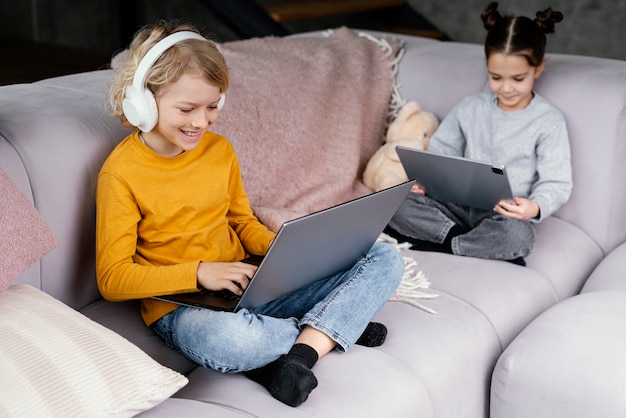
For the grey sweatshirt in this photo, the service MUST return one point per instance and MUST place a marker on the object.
(531, 143)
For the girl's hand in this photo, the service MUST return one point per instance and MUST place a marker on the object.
(418, 188)
(233, 276)
(520, 208)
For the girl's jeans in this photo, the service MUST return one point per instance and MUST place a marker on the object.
(341, 306)
(489, 235)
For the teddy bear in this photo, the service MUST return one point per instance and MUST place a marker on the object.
(411, 128)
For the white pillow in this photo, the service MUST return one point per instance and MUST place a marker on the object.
(54, 361)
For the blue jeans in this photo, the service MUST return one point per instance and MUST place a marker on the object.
(489, 235)
(341, 306)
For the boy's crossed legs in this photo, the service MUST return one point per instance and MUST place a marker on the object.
(335, 313)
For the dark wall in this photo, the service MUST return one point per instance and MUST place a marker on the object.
(591, 27)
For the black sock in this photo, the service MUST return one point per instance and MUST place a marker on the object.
(455, 231)
(373, 336)
(519, 261)
(422, 245)
(289, 378)
(403, 238)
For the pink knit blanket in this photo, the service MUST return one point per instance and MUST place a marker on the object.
(305, 115)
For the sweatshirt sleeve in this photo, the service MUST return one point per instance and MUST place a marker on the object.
(554, 172)
(121, 273)
(449, 139)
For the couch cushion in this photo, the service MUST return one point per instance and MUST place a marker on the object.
(24, 236)
(452, 353)
(124, 319)
(189, 408)
(364, 382)
(553, 256)
(56, 362)
(610, 273)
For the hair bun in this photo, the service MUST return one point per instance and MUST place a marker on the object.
(547, 18)
(490, 16)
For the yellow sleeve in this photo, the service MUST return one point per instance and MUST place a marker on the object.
(121, 273)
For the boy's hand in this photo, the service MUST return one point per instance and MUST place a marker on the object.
(520, 208)
(233, 276)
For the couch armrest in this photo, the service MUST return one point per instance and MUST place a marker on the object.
(568, 363)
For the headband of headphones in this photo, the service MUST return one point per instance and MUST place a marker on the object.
(157, 50)
(139, 104)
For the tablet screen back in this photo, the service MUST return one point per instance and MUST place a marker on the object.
(455, 179)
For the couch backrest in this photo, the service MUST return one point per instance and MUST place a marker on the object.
(54, 136)
(590, 92)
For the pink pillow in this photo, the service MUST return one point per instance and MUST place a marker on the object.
(24, 236)
(305, 115)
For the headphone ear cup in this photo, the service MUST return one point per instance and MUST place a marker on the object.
(220, 104)
(139, 107)
(152, 112)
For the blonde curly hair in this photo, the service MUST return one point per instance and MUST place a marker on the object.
(191, 55)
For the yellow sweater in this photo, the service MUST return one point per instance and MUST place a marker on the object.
(159, 217)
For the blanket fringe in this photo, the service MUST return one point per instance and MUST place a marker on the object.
(413, 283)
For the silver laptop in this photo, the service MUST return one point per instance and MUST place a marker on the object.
(455, 179)
(308, 249)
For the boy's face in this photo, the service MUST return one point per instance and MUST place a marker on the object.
(511, 78)
(187, 107)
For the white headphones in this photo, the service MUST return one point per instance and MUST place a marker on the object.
(139, 104)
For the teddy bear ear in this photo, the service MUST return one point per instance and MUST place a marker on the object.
(412, 107)
(409, 109)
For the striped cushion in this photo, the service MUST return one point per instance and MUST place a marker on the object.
(56, 362)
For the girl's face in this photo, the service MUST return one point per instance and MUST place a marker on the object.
(187, 107)
(511, 78)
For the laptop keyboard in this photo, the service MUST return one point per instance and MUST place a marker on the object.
(224, 294)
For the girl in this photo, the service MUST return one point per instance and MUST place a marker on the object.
(173, 216)
(511, 125)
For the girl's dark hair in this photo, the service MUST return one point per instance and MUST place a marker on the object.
(518, 35)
